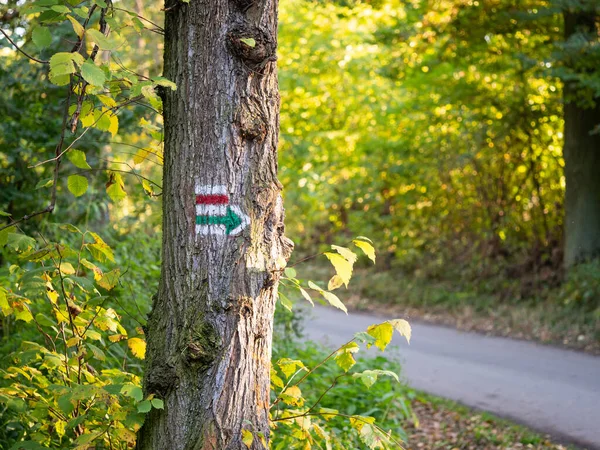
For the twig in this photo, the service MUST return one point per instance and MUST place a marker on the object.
(113, 110)
(21, 50)
(159, 28)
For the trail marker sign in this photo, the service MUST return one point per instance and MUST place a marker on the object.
(214, 214)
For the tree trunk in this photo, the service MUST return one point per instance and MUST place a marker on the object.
(209, 333)
(582, 164)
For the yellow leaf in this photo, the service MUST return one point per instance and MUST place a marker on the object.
(115, 187)
(367, 249)
(117, 337)
(22, 313)
(345, 358)
(334, 283)
(348, 254)
(247, 438)
(114, 124)
(97, 271)
(382, 333)
(141, 155)
(306, 296)
(6, 309)
(106, 100)
(293, 391)
(72, 342)
(334, 300)
(292, 396)
(110, 279)
(147, 187)
(87, 120)
(342, 266)
(60, 427)
(402, 327)
(77, 27)
(67, 268)
(137, 347)
(53, 296)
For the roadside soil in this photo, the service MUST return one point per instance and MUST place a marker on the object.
(445, 425)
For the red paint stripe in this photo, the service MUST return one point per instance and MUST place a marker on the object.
(212, 199)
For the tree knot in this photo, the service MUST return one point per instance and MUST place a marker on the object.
(254, 46)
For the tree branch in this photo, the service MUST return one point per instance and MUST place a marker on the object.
(21, 50)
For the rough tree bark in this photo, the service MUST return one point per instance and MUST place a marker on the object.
(582, 161)
(209, 332)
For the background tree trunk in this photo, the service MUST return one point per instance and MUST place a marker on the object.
(582, 163)
(209, 333)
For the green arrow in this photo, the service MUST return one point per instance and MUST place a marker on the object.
(231, 220)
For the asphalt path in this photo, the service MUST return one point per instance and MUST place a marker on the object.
(551, 390)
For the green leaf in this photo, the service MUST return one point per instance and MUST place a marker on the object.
(382, 333)
(77, 157)
(369, 377)
(4, 235)
(367, 248)
(19, 242)
(402, 327)
(99, 39)
(144, 407)
(62, 63)
(365, 338)
(98, 354)
(41, 37)
(77, 184)
(133, 391)
(249, 42)
(342, 266)
(290, 272)
(93, 74)
(44, 320)
(157, 403)
(4, 214)
(44, 183)
(60, 9)
(65, 404)
(285, 302)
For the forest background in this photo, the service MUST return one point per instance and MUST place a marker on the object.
(434, 127)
